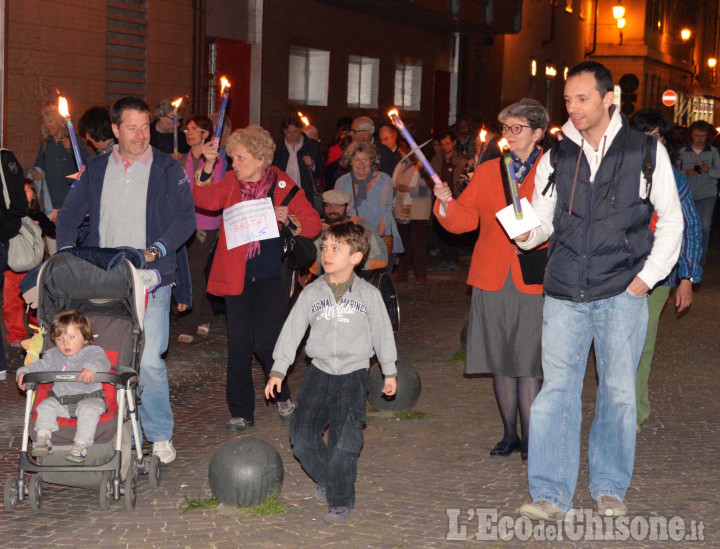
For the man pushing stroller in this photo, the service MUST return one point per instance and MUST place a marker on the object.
(72, 334)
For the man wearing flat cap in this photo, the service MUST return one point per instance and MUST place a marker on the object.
(336, 205)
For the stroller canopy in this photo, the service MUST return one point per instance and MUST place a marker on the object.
(67, 282)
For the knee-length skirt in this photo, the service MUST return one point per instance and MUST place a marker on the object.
(504, 333)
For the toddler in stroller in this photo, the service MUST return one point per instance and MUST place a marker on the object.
(72, 334)
(112, 296)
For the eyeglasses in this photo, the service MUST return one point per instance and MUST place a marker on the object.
(514, 129)
(361, 160)
(192, 129)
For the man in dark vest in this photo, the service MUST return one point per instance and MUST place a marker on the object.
(603, 259)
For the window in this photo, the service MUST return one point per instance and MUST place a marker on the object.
(363, 82)
(308, 76)
(408, 79)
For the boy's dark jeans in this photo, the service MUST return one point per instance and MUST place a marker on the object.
(338, 400)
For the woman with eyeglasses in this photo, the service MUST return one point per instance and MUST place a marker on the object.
(199, 135)
(371, 191)
(506, 313)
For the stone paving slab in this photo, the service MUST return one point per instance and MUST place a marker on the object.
(422, 482)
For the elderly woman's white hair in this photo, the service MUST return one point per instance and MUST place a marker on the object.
(529, 109)
(352, 150)
(257, 140)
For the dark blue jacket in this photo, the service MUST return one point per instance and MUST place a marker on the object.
(170, 210)
(601, 232)
(310, 148)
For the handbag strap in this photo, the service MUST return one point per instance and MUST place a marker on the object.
(5, 189)
(506, 182)
(289, 196)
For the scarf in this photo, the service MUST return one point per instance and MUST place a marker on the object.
(255, 191)
(522, 168)
(362, 184)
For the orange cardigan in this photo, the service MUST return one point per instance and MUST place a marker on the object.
(494, 252)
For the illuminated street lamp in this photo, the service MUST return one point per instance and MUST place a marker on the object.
(712, 63)
(618, 11)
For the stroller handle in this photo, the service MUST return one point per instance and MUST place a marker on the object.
(121, 380)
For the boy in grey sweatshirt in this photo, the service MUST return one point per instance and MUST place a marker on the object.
(348, 320)
(71, 332)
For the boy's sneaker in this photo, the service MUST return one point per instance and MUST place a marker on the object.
(337, 515)
(77, 453)
(320, 494)
(286, 409)
(42, 447)
(610, 506)
(238, 424)
(542, 510)
(165, 451)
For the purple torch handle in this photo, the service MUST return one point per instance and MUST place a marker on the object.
(73, 140)
(175, 139)
(395, 118)
(221, 117)
(510, 169)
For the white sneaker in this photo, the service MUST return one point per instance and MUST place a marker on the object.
(286, 409)
(165, 451)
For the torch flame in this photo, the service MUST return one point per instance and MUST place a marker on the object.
(224, 83)
(393, 112)
(177, 102)
(503, 144)
(305, 119)
(483, 133)
(63, 107)
(554, 130)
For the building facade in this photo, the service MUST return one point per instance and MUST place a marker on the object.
(433, 59)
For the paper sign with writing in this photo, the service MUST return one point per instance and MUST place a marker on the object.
(513, 226)
(250, 221)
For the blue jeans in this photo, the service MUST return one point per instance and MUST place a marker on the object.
(705, 208)
(154, 410)
(617, 325)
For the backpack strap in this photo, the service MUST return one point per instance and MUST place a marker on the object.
(648, 165)
(555, 151)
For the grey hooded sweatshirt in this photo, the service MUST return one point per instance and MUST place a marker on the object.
(343, 335)
(91, 357)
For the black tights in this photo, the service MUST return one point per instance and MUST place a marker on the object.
(516, 394)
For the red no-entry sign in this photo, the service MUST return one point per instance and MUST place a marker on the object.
(669, 97)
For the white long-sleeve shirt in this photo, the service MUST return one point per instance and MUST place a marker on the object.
(663, 196)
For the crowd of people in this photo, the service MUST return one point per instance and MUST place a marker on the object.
(625, 215)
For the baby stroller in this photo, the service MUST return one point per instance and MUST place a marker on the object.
(114, 301)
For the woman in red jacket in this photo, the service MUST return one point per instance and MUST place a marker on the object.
(250, 276)
(506, 314)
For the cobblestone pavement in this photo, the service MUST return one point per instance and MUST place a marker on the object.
(421, 482)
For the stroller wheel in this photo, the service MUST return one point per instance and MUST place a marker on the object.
(106, 491)
(131, 486)
(36, 493)
(155, 471)
(10, 494)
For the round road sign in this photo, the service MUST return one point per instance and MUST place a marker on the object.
(669, 97)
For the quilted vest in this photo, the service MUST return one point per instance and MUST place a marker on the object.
(600, 243)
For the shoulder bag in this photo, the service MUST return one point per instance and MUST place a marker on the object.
(299, 252)
(26, 249)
